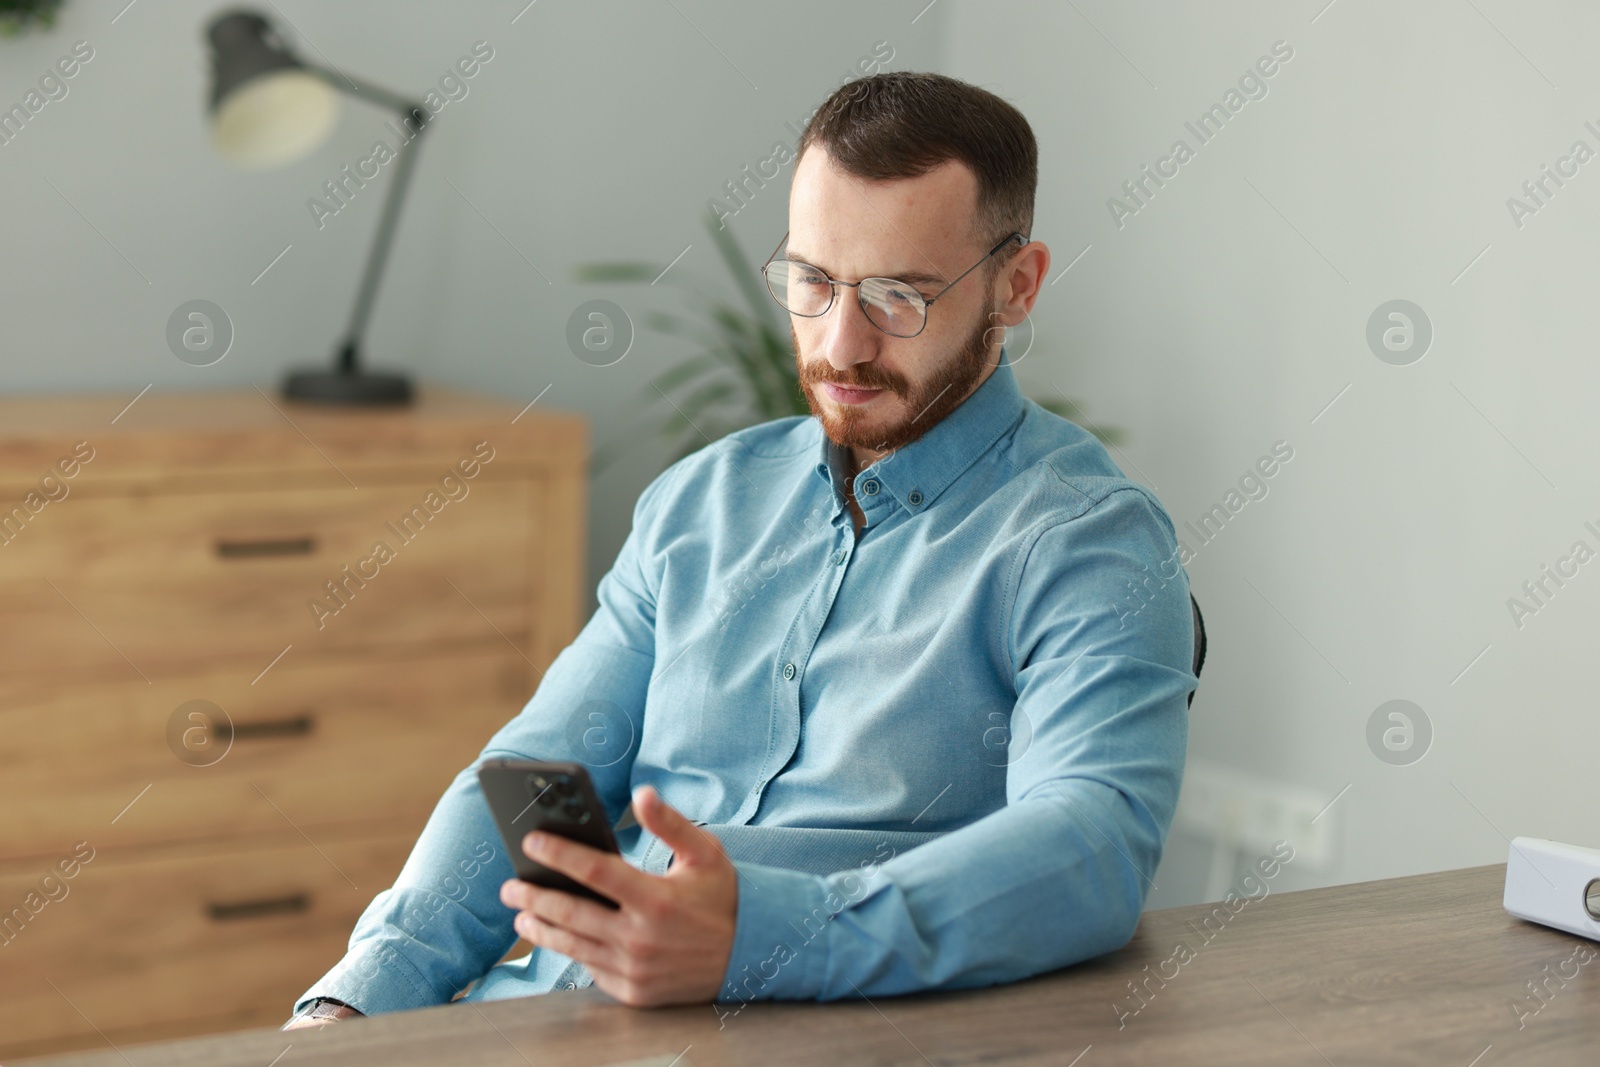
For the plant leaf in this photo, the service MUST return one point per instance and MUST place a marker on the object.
(673, 377)
(615, 272)
(666, 322)
(703, 397)
(739, 335)
(745, 275)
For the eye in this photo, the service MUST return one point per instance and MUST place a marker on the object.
(892, 296)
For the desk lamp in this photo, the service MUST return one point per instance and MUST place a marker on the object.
(269, 108)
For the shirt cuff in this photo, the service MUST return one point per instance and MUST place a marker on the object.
(779, 951)
(373, 979)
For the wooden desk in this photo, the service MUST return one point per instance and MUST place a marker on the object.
(1409, 970)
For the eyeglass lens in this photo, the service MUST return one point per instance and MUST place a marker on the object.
(895, 307)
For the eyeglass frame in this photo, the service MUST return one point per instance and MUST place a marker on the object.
(834, 283)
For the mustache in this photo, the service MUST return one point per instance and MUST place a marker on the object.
(867, 376)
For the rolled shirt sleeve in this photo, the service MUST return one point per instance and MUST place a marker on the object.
(441, 926)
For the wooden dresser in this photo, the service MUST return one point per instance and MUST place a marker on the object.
(244, 646)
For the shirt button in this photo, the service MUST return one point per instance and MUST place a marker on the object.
(870, 487)
(838, 557)
(788, 671)
(915, 497)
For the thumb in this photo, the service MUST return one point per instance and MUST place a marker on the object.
(689, 843)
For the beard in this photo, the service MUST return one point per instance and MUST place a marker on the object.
(926, 403)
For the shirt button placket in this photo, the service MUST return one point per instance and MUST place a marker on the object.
(786, 706)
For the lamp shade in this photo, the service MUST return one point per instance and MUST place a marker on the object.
(267, 109)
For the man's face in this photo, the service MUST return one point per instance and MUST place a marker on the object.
(919, 230)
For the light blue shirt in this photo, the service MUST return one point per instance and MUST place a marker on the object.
(942, 752)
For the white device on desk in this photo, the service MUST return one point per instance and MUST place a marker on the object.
(1554, 885)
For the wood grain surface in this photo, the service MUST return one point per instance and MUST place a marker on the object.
(1412, 970)
(256, 439)
(373, 740)
(171, 563)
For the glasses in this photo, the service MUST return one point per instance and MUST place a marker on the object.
(896, 307)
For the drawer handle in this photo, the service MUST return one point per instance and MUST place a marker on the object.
(289, 726)
(267, 546)
(293, 904)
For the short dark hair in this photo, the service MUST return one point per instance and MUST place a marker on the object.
(905, 123)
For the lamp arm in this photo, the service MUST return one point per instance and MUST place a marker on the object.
(377, 258)
(365, 90)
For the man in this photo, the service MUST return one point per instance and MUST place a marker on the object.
(897, 690)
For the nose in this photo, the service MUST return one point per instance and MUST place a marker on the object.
(847, 336)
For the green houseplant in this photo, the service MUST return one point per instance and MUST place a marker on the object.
(19, 15)
(744, 372)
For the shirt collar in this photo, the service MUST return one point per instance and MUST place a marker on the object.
(916, 475)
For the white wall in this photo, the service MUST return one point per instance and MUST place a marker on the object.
(598, 131)
(1213, 323)
(1208, 327)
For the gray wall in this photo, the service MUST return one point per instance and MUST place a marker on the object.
(1229, 311)
(1223, 316)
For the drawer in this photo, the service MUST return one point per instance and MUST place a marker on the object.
(123, 584)
(228, 933)
(367, 739)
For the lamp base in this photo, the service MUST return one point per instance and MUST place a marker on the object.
(358, 388)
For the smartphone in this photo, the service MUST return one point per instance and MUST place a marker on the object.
(553, 798)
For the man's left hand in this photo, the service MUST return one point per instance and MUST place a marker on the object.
(669, 941)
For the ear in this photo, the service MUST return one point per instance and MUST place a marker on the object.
(1019, 282)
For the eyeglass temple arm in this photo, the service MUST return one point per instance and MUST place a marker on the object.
(1004, 241)
(769, 259)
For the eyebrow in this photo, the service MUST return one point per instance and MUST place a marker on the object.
(915, 277)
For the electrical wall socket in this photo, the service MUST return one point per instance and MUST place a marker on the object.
(1237, 810)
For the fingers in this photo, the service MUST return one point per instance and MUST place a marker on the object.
(566, 910)
(688, 842)
(605, 873)
(587, 951)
